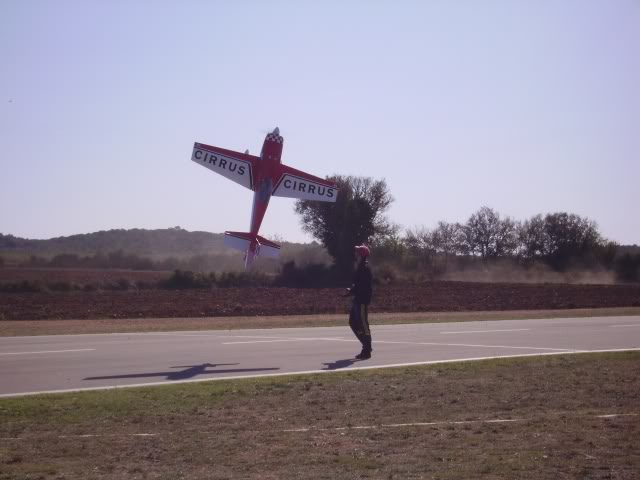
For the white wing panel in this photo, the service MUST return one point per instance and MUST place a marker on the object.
(233, 168)
(269, 251)
(293, 186)
(236, 243)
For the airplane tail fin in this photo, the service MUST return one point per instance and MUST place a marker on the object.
(268, 248)
(252, 245)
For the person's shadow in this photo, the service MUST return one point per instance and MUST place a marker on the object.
(338, 364)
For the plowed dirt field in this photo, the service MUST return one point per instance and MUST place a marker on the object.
(424, 297)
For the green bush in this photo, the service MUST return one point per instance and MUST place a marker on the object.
(63, 286)
(181, 279)
(25, 286)
(627, 268)
(310, 276)
(123, 284)
(385, 275)
(243, 279)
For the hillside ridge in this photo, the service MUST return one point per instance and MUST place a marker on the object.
(161, 242)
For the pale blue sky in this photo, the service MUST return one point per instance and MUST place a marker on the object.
(528, 107)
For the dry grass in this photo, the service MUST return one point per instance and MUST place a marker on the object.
(239, 429)
(59, 327)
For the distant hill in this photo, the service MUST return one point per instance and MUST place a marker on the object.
(166, 242)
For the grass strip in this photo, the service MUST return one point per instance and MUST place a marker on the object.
(304, 426)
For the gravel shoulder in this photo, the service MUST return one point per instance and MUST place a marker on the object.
(123, 325)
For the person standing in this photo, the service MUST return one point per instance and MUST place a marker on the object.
(361, 290)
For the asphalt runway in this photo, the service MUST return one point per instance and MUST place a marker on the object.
(58, 363)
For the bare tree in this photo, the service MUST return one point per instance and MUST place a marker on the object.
(506, 241)
(419, 243)
(448, 239)
(487, 235)
(532, 239)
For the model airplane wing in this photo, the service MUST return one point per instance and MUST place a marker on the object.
(294, 183)
(235, 166)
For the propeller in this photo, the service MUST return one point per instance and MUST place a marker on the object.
(275, 131)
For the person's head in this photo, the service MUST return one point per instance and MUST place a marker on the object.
(362, 252)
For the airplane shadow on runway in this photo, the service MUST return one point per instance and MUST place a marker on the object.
(347, 362)
(190, 371)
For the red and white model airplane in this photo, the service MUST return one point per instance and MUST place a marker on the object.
(267, 177)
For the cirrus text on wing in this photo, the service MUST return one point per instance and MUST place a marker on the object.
(308, 188)
(216, 161)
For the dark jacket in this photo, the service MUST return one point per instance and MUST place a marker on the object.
(362, 283)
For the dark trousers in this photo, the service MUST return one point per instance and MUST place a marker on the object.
(359, 323)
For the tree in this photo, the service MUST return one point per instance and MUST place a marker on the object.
(448, 239)
(356, 217)
(507, 237)
(419, 243)
(627, 267)
(569, 237)
(488, 235)
(532, 238)
(390, 248)
(561, 239)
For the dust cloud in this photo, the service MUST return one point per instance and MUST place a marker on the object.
(534, 274)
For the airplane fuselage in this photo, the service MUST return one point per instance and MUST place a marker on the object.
(265, 176)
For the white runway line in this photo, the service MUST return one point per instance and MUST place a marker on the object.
(488, 331)
(613, 415)
(270, 341)
(310, 429)
(400, 425)
(202, 335)
(95, 435)
(473, 345)
(49, 351)
(430, 424)
(624, 326)
(400, 342)
(294, 339)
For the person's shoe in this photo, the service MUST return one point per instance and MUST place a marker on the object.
(364, 355)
